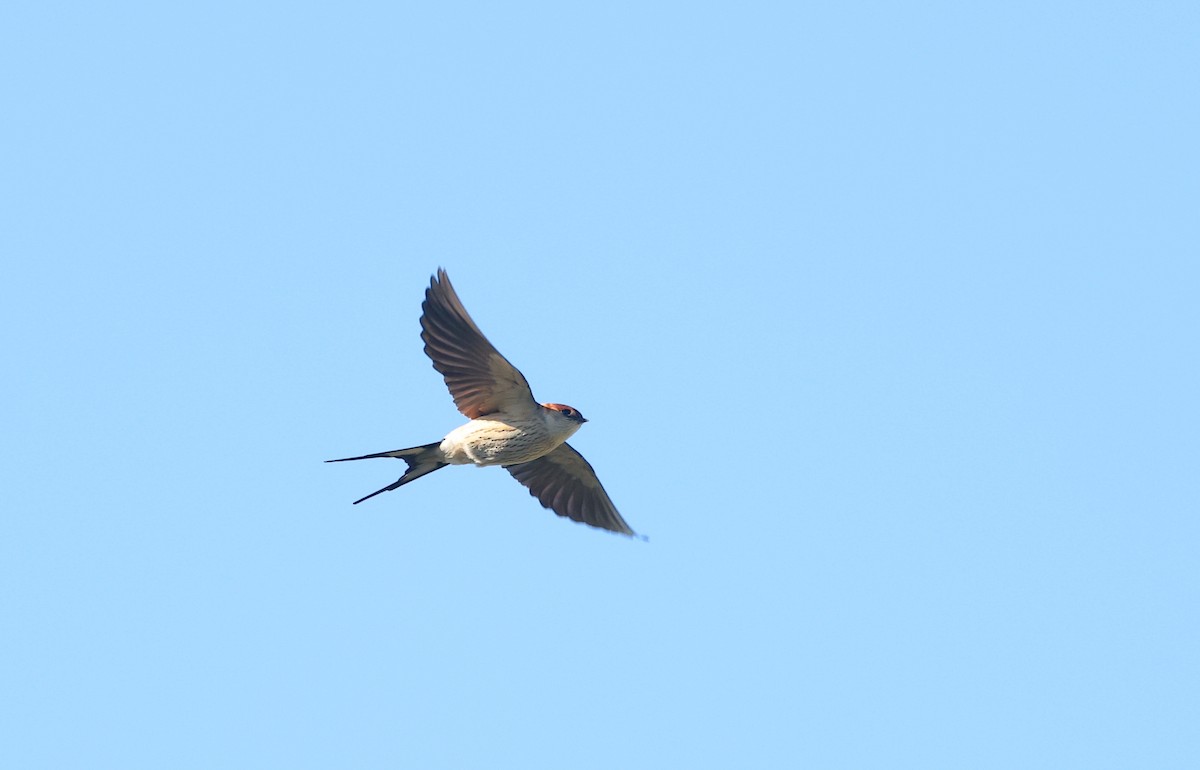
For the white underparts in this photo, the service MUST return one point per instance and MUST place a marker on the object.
(502, 440)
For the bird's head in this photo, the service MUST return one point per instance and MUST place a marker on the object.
(569, 412)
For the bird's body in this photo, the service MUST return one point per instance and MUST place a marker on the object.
(507, 439)
(506, 426)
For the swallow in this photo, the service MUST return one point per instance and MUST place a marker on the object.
(506, 426)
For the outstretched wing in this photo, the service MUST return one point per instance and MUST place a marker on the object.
(565, 483)
(480, 379)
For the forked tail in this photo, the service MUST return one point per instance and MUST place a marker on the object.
(421, 460)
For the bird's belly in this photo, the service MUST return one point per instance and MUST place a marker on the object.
(490, 442)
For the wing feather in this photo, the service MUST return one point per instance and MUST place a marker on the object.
(565, 483)
(480, 379)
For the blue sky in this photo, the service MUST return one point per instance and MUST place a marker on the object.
(884, 317)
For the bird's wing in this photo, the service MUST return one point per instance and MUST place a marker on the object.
(480, 379)
(565, 483)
